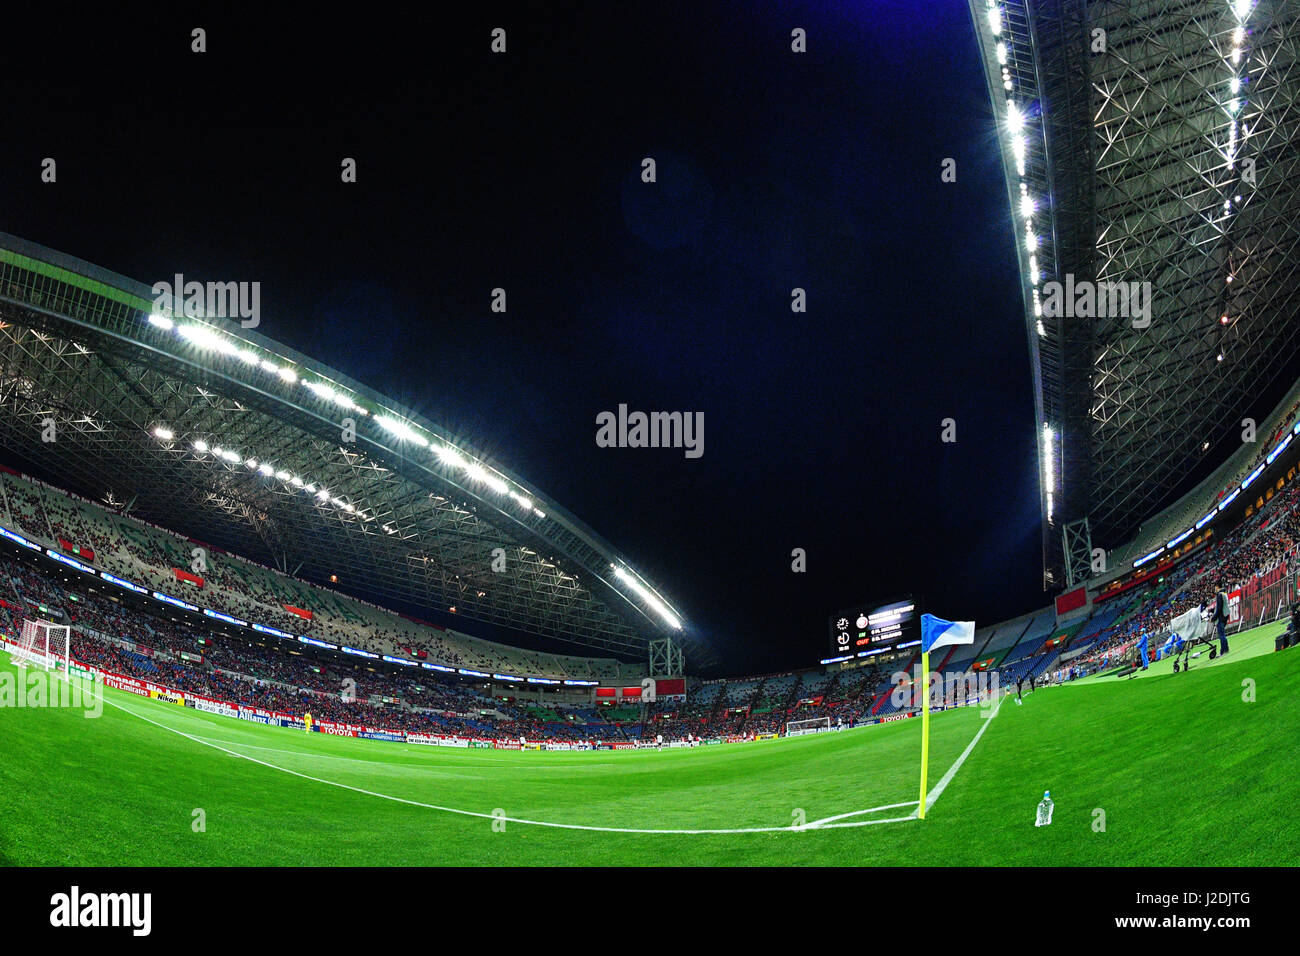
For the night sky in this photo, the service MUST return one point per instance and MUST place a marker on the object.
(775, 170)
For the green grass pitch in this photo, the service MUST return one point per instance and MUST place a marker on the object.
(1185, 769)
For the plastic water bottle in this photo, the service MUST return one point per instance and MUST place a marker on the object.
(1045, 810)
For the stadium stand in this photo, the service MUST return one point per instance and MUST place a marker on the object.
(142, 553)
(145, 643)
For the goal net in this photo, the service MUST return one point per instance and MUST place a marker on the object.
(43, 644)
(816, 724)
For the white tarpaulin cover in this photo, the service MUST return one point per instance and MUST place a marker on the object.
(1190, 626)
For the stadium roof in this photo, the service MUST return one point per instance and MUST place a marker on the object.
(211, 429)
(1148, 142)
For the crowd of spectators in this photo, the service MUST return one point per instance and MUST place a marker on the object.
(149, 555)
(1254, 547)
(286, 678)
(251, 672)
(133, 643)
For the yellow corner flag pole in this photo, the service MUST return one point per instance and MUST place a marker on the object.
(925, 728)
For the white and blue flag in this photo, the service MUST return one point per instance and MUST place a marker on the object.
(936, 632)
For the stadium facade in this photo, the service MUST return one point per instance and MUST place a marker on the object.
(196, 423)
(1152, 159)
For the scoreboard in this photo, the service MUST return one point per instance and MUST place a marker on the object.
(870, 630)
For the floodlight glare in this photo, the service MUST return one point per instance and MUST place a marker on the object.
(450, 457)
(205, 338)
(651, 601)
(1015, 119)
(401, 430)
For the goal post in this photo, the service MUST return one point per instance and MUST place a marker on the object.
(44, 644)
(795, 728)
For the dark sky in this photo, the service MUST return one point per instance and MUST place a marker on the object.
(775, 170)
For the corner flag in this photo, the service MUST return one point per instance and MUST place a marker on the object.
(935, 632)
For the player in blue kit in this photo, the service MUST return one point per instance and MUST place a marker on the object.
(1142, 649)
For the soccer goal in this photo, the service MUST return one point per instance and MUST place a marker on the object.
(43, 644)
(794, 728)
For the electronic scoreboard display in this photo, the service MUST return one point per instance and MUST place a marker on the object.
(870, 630)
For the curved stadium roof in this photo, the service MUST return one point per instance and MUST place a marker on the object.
(215, 431)
(1170, 156)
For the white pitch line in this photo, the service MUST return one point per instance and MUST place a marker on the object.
(934, 794)
(939, 787)
(277, 750)
(306, 753)
(468, 770)
(487, 816)
(379, 761)
(858, 813)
